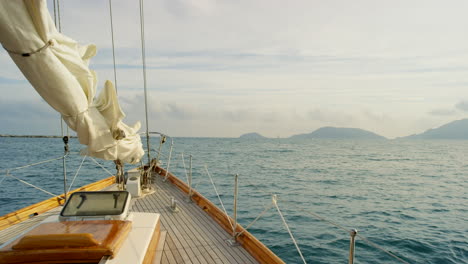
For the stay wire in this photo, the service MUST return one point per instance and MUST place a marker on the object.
(113, 45)
(143, 58)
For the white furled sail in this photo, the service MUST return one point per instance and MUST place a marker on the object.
(57, 67)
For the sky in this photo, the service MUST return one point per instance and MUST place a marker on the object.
(219, 68)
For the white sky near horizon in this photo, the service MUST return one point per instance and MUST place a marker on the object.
(279, 68)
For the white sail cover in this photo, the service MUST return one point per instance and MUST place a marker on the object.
(57, 67)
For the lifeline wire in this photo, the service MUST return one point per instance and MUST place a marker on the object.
(378, 247)
(347, 231)
(34, 186)
(185, 169)
(37, 163)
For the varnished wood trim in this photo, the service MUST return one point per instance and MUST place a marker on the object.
(152, 247)
(256, 248)
(44, 206)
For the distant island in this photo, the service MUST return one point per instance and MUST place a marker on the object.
(327, 132)
(454, 130)
(252, 136)
(457, 130)
(340, 133)
(33, 136)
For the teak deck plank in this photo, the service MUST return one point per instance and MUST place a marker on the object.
(191, 233)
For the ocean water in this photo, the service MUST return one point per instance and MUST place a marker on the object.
(408, 197)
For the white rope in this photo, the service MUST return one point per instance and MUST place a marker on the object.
(287, 228)
(219, 198)
(76, 174)
(29, 184)
(106, 170)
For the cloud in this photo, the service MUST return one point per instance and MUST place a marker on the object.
(9, 81)
(183, 8)
(28, 117)
(331, 117)
(462, 105)
(442, 112)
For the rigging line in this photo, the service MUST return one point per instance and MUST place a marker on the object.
(258, 188)
(219, 197)
(255, 220)
(324, 220)
(275, 202)
(58, 17)
(7, 172)
(113, 46)
(106, 170)
(143, 58)
(64, 162)
(29, 184)
(55, 13)
(37, 163)
(378, 247)
(347, 231)
(76, 174)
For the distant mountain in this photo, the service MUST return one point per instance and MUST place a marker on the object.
(338, 132)
(453, 130)
(251, 136)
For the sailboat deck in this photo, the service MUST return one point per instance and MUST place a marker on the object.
(189, 235)
(192, 236)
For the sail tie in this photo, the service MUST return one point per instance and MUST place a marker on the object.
(27, 54)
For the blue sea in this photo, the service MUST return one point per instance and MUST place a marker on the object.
(408, 197)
